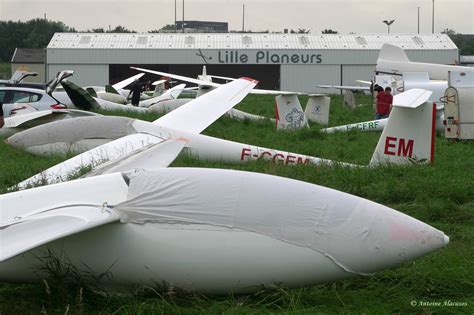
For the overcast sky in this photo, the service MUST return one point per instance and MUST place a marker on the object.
(360, 16)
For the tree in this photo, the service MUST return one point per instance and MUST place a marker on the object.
(465, 43)
(329, 31)
(449, 31)
(120, 29)
(117, 29)
(35, 33)
(168, 27)
(97, 30)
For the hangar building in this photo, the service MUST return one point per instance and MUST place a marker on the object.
(296, 62)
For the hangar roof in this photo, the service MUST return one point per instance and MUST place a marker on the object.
(248, 41)
(29, 55)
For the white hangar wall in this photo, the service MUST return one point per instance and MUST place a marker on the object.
(304, 60)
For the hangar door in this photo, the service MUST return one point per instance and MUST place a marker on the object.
(84, 75)
(267, 75)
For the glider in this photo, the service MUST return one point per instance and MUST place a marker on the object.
(409, 138)
(211, 84)
(393, 60)
(206, 230)
(22, 122)
(27, 107)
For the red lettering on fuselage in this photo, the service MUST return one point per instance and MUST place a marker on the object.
(399, 147)
(389, 143)
(302, 160)
(280, 157)
(245, 152)
(275, 157)
(405, 150)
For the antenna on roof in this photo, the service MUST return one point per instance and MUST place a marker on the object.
(243, 18)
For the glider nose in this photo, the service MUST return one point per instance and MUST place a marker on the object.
(381, 237)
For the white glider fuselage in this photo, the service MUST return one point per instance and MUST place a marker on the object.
(178, 254)
(435, 71)
(207, 230)
(215, 149)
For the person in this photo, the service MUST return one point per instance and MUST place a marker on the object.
(383, 103)
(135, 91)
(2, 121)
(376, 90)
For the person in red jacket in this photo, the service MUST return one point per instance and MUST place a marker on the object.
(384, 103)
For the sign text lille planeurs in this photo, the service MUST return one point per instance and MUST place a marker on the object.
(267, 57)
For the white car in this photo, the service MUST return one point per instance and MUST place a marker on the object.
(18, 100)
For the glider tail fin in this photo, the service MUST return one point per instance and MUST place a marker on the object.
(409, 134)
(393, 53)
(79, 97)
(317, 109)
(110, 89)
(289, 113)
(159, 89)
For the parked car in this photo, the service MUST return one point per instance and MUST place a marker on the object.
(19, 100)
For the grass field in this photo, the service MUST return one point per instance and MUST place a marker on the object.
(441, 195)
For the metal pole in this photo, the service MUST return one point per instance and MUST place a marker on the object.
(243, 18)
(432, 22)
(175, 29)
(183, 17)
(418, 20)
(388, 28)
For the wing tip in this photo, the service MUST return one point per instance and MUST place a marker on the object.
(249, 79)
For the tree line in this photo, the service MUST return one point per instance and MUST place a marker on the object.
(37, 33)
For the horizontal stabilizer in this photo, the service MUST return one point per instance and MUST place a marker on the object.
(411, 98)
(31, 218)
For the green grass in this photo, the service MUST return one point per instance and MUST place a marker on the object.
(5, 70)
(441, 195)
